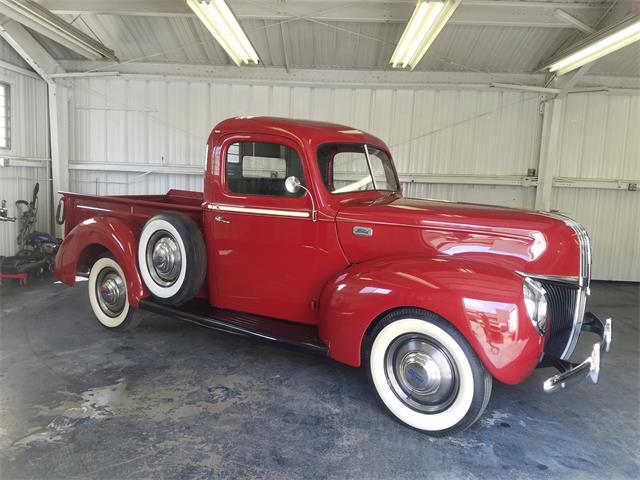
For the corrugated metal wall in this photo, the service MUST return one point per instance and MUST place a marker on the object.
(601, 140)
(147, 135)
(165, 123)
(29, 146)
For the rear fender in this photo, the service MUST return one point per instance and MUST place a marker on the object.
(110, 233)
(483, 301)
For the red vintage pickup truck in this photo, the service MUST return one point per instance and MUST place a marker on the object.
(302, 236)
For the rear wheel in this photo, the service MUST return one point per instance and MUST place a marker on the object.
(108, 296)
(425, 372)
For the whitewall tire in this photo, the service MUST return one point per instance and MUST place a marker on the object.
(425, 372)
(108, 295)
(172, 258)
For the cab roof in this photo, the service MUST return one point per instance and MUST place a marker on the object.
(304, 131)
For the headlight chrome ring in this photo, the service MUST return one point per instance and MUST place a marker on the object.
(535, 300)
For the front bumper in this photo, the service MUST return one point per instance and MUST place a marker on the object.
(590, 367)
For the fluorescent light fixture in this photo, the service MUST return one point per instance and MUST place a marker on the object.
(596, 46)
(37, 18)
(223, 25)
(428, 18)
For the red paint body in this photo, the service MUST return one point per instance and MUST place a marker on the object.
(461, 261)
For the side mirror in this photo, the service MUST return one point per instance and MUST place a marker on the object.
(292, 184)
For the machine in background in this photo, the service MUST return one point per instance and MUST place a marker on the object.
(36, 250)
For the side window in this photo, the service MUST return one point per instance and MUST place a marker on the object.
(260, 168)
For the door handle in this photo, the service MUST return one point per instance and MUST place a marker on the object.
(221, 219)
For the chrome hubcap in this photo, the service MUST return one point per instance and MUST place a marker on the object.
(164, 258)
(421, 373)
(111, 292)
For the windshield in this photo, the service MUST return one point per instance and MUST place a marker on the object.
(355, 168)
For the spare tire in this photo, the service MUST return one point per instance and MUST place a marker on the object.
(172, 258)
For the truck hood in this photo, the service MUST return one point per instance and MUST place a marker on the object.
(528, 241)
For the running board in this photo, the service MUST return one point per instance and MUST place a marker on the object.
(199, 312)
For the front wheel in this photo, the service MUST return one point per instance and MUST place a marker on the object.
(108, 296)
(425, 372)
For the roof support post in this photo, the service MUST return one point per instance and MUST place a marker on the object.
(552, 127)
(58, 131)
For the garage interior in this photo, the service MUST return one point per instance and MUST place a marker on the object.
(479, 118)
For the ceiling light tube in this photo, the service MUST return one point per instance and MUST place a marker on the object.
(223, 25)
(428, 18)
(597, 46)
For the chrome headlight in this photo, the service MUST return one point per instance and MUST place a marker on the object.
(535, 300)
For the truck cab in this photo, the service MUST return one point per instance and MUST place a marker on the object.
(302, 236)
(273, 246)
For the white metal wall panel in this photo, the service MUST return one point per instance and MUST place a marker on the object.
(515, 197)
(601, 137)
(612, 219)
(29, 143)
(600, 140)
(166, 123)
(127, 183)
(464, 132)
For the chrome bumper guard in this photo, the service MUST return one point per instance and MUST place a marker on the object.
(589, 368)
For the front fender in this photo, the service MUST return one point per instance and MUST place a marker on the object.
(117, 236)
(483, 301)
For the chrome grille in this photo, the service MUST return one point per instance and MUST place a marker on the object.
(562, 300)
(567, 302)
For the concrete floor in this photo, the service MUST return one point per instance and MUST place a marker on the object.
(174, 400)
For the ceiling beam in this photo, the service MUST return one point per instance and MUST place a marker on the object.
(571, 20)
(29, 49)
(470, 12)
(336, 78)
(41, 20)
(160, 8)
(285, 53)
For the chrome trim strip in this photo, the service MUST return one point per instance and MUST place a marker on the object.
(585, 245)
(563, 279)
(578, 316)
(258, 211)
(373, 178)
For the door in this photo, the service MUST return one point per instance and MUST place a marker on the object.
(264, 239)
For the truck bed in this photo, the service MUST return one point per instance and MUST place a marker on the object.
(79, 207)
